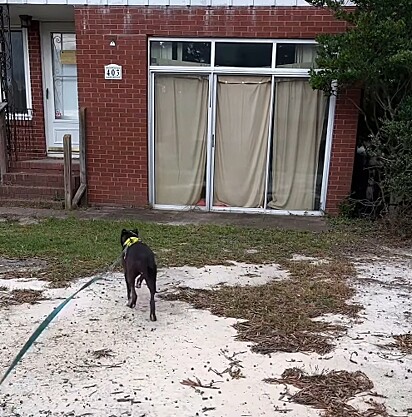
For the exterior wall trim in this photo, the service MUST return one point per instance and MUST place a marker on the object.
(204, 3)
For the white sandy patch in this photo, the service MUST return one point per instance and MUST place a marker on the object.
(399, 252)
(59, 376)
(384, 289)
(310, 259)
(23, 284)
(237, 274)
(8, 267)
(251, 251)
(27, 221)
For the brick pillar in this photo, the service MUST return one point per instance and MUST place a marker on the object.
(343, 148)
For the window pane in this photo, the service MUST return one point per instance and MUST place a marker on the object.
(298, 146)
(64, 75)
(17, 83)
(242, 128)
(181, 104)
(180, 53)
(244, 54)
(292, 55)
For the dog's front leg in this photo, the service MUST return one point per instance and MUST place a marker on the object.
(128, 288)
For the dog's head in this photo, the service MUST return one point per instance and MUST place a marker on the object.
(126, 234)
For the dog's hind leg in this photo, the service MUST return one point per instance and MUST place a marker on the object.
(139, 281)
(130, 279)
(151, 284)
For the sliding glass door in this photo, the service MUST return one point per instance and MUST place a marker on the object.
(257, 143)
(235, 126)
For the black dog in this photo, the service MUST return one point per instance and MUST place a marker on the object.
(138, 262)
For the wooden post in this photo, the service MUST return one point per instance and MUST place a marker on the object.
(82, 150)
(82, 160)
(3, 142)
(68, 189)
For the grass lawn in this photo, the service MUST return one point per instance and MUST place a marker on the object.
(279, 314)
(75, 248)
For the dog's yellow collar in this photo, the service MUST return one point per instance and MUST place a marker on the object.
(131, 241)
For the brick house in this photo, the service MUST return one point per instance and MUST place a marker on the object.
(190, 103)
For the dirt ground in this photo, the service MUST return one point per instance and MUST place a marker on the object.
(99, 358)
(309, 223)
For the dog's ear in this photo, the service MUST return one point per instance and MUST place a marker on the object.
(123, 236)
(136, 231)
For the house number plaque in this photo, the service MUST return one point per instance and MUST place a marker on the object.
(113, 72)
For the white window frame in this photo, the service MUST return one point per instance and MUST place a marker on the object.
(26, 61)
(235, 70)
(212, 70)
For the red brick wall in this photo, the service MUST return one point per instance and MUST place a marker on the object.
(117, 111)
(343, 148)
(32, 141)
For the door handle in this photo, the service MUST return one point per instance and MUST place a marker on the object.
(47, 93)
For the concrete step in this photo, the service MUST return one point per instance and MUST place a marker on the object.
(38, 179)
(37, 183)
(32, 203)
(47, 165)
(32, 193)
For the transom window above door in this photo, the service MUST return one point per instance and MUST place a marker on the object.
(279, 55)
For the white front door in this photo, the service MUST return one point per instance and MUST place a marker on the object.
(60, 86)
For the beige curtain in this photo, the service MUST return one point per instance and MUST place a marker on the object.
(241, 140)
(305, 56)
(298, 123)
(180, 138)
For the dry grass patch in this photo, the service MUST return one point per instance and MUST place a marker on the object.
(15, 297)
(402, 342)
(279, 314)
(330, 391)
